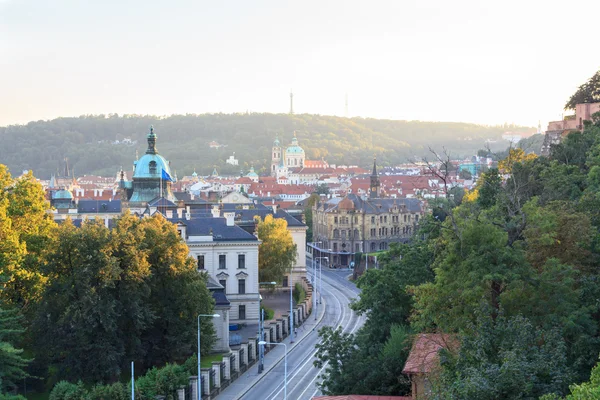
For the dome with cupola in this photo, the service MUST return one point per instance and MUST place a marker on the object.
(151, 164)
(62, 194)
(294, 148)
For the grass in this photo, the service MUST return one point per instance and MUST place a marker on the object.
(206, 361)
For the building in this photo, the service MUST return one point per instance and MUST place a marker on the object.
(152, 178)
(229, 255)
(559, 129)
(361, 224)
(423, 360)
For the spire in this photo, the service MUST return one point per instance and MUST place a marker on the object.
(151, 142)
(374, 166)
(375, 183)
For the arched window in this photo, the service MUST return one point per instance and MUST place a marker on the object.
(336, 233)
(152, 166)
(373, 246)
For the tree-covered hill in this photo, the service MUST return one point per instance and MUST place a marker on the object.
(87, 141)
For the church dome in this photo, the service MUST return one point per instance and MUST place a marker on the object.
(294, 148)
(62, 194)
(252, 174)
(151, 166)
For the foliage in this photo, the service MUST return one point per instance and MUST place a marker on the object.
(354, 365)
(277, 251)
(589, 92)
(68, 391)
(113, 296)
(299, 294)
(517, 155)
(308, 215)
(87, 141)
(505, 358)
(12, 362)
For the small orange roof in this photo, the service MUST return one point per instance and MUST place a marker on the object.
(424, 355)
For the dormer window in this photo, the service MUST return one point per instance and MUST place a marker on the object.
(152, 166)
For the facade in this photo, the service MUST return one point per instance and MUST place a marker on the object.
(355, 224)
(229, 255)
(558, 129)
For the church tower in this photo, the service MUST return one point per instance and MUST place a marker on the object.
(375, 191)
(275, 156)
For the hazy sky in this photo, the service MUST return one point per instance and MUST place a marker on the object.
(481, 61)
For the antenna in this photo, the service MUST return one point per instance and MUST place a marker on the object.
(291, 102)
(346, 107)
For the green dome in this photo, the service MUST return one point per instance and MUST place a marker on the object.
(294, 150)
(62, 194)
(151, 166)
(276, 143)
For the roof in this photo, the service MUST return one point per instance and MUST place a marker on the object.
(161, 202)
(373, 206)
(142, 166)
(62, 194)
(217, 227)
(248, 216)
(424, 354)
(362, 397)
(99, 206)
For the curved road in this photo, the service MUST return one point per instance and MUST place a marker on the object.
(302, 375)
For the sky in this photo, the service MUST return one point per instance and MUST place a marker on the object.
(488, 62)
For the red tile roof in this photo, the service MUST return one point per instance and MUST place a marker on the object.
(423, 356)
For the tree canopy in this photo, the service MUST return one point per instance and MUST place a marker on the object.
(589, 92)
(277, 251)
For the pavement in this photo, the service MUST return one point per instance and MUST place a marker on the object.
(238, 388)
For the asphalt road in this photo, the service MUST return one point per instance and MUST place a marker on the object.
(302, 374)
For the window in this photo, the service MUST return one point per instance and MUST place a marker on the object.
(336, 233)
(241, 261)
(285, 282)
(372, 220)
(241, 286)
(335, 220)
(242, 312)
(372, 232)
(373, 246)
(223, 283)
(404, 217)
(343, 234)
(417, 218)
(356, 235)
(152, 167)
(222, 261)
(200, 262)
(335, 247)
(356, 248)
(385, 218)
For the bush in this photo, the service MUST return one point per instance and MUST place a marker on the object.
(11, 397)
(299, 293)
(116, 391)
(68, 391)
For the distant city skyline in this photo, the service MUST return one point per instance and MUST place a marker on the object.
(468, 61)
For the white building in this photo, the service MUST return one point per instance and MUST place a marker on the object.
(229, 255)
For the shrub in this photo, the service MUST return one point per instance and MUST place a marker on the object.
(68, 391)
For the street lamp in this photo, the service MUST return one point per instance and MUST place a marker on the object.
(314, 280)
(321, 277)
(262, 343)
(291, 309)
(261, 322)
(199, 385)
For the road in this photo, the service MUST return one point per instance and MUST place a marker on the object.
(302, 375)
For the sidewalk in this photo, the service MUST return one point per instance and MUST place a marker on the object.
(249, 379)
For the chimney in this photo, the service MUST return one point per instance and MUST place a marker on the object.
(216, 213)
(274, 208)
(229, 216)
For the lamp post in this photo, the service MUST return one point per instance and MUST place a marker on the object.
(321, 277)
(261, 322)
(262, 343)
(314, 280)
(199, 384)
(291, 309)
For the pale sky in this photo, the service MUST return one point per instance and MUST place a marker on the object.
(483, 61)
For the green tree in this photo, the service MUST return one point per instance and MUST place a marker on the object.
(12, 362)
(589, 92)
(277, 251)
(506, 358)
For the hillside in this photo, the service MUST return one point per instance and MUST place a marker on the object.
(87, 141)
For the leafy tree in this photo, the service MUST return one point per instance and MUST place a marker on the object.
(308, 215)
(322, 189)
(277, 251)
(506, 358)
(12, 362)
(465, 174)
(589, 92)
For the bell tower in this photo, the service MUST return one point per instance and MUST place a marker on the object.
(275, 156)
(375, 191)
